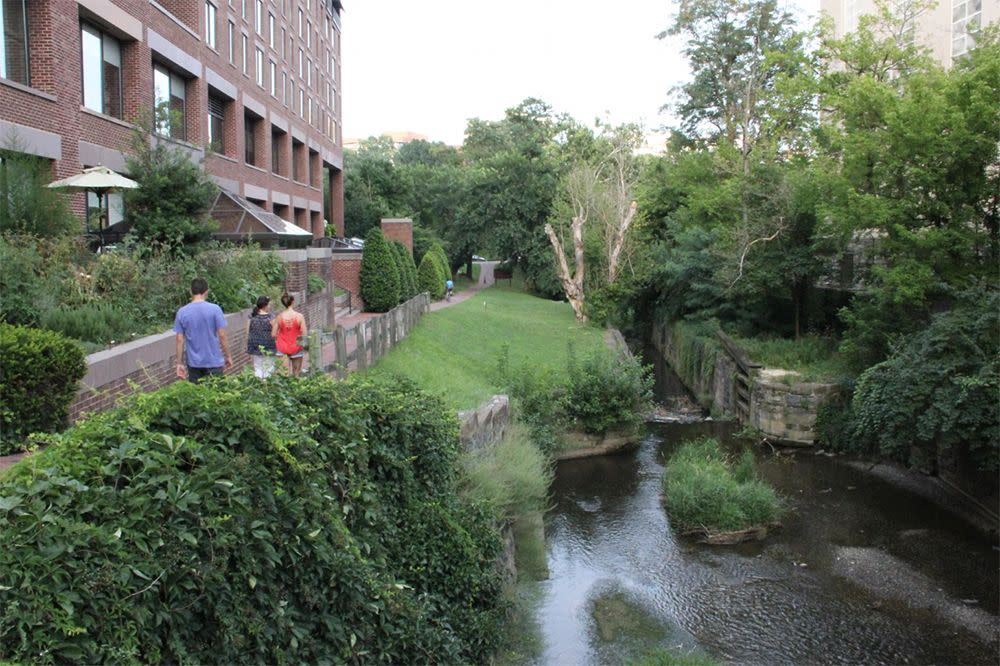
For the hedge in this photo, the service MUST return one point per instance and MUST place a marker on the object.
(380, 281)
(407, 271)
(39, 371)
(439, 255)
(429, 277)
(297, 521)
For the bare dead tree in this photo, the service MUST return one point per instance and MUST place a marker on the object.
(581, 184)
(617, 211)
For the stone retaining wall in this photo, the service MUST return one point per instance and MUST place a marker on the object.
(484, 425)
(782, 409)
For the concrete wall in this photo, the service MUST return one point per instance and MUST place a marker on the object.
(787, 411)
(486, 424)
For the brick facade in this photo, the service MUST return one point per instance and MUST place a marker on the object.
(346, 269)
(46, 116)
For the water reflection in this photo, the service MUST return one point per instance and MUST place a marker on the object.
(787, 600)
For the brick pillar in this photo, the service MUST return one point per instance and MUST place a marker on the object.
(337, 201)
(399, 230)
(346, 267)
(319, 264)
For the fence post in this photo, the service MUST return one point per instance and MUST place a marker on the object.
(361, 349)
(376, 339)
(340, 345)
(393, 323)
(315, 352)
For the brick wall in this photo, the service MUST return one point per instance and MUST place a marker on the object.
(346, 267)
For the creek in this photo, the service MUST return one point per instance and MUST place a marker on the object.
(862, 571)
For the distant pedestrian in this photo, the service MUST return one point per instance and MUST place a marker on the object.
(201, 328)
(289, 331)
(260, 341)
(449, 288)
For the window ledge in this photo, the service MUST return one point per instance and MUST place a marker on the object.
(225, 157)
(28, 89)
(103, 116)
(278, 175)
(255, 167)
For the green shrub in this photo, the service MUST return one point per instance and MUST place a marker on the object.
(668, 658)
(429, 277)
(39, 371)
(407, 272)
(705, 490)
(607, 392)
(315, 284)
(90, 322)
(301, 521)
(512, 477)
(170, 207)
(441, 258)
(380, 281)
(25, 290)
(938, 390)
(27, 204)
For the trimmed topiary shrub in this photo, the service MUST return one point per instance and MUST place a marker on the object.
(407, 272)
(298, 521)
(429, 277)
(379, 273)
(442, 260)
(39, 371)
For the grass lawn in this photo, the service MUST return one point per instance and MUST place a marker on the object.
(814, 357)
(453, 352)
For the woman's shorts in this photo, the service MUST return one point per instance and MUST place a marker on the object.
(298, 354)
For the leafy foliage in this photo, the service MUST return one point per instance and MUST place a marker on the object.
(429, 276)
(938, 389)
(407, 272)
(170, 206)
(27, 204)
(39, 371)
(703, 489)
(511, 476)
(380, 280)
(304, 520)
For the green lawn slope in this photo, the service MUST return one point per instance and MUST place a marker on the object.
(453, 352)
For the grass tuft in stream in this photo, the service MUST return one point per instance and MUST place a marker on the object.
(705, 490)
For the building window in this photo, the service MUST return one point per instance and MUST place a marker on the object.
(14, 41)
(210, 24)
(101, 63)
(243, 3)
(260, 67)
(170, 98)
(313, 159)
(297, 149)
(284, 88)
(246, 55)
(300, 23)
(276, 138)
(270, 30)
(967, 16)
(309, 107)
(274, 79)
(250, 141)
(258, 17)
(309, 35)
(309, 74)
(284, 53)
(302, 104)
(232, 43)
(216, 124)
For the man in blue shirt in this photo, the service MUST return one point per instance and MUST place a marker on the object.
(202, 326)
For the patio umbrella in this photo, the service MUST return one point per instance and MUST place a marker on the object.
(101, 180)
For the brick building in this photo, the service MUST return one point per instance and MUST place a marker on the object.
(254, 87)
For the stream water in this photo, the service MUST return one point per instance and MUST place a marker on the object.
(862, 571)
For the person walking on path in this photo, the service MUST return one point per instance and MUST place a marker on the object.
(260, 341)
(288, 329)
(201, 328)
(449, 288)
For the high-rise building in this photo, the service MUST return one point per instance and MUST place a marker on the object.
(253, 87)
(944, 29)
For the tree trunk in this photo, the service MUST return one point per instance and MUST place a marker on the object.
(572, 282)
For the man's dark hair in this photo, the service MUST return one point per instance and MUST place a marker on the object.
(199, 286)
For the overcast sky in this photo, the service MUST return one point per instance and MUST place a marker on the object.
(427, 67)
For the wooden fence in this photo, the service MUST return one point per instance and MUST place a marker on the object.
(346, 349)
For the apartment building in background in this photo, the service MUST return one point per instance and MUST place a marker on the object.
(253, 87)
(944, 29)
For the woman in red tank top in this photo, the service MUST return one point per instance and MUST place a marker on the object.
(287, 329)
